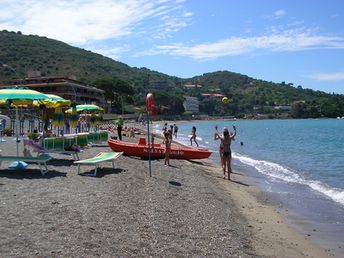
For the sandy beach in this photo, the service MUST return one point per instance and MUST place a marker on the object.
(183, 210)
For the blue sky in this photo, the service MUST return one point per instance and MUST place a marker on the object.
(299, 42)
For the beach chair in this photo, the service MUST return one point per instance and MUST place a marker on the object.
(58, 145)
(101, 157)
(40, 160)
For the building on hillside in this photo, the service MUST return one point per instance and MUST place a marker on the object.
(157, 84)
(192, 86)
(66, 87)
(191, 104)
(283, 108)
(213, 95)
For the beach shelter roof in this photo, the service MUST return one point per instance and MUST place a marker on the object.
(90, 108)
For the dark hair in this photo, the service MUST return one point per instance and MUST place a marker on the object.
(225, 133)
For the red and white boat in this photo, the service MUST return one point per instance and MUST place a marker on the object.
(157, 151)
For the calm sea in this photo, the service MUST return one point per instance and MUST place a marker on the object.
(300, 163)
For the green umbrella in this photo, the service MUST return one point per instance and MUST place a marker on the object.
(73, 119)
(20, 96)
(53, 101)
(58, 119)
(91, 108)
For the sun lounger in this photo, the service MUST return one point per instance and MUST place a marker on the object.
(40, 160)
(51, 146)
(100, 158)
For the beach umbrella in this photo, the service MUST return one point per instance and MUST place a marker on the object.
(86, 108)
(53, 101)
(58, 119)
(20, 96)
(73, 118)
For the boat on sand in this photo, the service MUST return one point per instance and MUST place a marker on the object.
(157, 151)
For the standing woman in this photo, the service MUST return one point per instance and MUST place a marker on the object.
(193, 136)
(225, 149)
(168, 141)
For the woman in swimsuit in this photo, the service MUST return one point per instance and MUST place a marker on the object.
(193, 135)
(225, 149)
(168, 141)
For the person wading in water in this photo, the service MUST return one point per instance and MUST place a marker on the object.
(225, 149)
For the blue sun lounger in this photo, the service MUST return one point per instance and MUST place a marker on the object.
(40, 160)
(98, 159)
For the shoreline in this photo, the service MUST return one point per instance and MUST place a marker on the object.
(126, 213)
(273, 232)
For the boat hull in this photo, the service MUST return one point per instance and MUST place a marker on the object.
(158, 151)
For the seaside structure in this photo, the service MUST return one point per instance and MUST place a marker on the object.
(212, 95)
(191, 104)
(192, 86)
(66, 87)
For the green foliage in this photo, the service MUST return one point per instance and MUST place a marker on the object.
(122, 83)
(168, 103)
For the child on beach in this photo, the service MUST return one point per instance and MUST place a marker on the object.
(168, 141)
(193, 136)
(175, 130)
(225, 149)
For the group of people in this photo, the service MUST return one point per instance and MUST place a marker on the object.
(225, 138)
(172, 130)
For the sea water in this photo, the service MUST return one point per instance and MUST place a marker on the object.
(300, 163)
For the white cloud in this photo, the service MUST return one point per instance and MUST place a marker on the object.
(338, 76)
(290, 40)
(276, 15)
(279, 13)
(80, 21)
(114, 52)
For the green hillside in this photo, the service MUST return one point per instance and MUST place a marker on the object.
(20, 53)
(55, 58)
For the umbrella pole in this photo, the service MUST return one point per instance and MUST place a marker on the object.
(17, 164)
(17, 129)
(149, 148)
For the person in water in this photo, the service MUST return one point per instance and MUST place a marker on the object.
(193, 135)
(225, 149)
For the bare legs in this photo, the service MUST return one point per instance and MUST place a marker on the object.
(226, 165)
(193, 138)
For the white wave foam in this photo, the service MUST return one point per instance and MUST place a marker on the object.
(269, 168)
(286, 174)
(334, 193)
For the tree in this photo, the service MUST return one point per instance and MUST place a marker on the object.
(169, 102)
(115, 90)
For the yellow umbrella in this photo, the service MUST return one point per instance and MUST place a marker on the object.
(58, 119)
(20, 96)
(73, 119)
(53, 101)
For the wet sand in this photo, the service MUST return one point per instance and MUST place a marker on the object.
(186, 209)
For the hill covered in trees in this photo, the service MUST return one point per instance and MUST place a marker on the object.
(249, 97)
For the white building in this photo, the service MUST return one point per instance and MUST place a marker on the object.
(191, 104)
